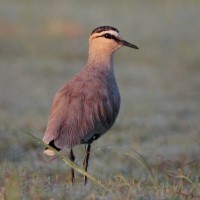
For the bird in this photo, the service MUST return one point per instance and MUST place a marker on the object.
(87, 106)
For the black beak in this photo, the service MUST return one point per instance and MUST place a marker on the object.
(125, 43)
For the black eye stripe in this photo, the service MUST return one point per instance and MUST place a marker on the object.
(109, 36)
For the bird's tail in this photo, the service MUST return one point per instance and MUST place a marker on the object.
(50, 152)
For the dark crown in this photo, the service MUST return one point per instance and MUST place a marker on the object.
(104, 28)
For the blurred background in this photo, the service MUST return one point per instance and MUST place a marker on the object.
(44, 43)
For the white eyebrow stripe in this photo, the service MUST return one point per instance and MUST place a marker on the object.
(104, 32)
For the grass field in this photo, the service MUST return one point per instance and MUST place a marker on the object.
(43, 43)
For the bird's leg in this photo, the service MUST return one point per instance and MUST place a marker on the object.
(72, 158)
(85, 162)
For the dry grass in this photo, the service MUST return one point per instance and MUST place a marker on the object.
(43, 43)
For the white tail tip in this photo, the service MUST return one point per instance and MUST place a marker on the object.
(49, 152)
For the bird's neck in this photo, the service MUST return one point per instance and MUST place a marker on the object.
(100, 59)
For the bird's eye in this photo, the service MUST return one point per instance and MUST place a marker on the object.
(108, 36)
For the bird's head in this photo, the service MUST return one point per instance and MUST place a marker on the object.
(108, 39)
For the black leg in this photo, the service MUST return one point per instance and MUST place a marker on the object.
(86, 160)
(72, 158)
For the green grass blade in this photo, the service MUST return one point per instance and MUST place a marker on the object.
(145, 164)
(68, 161)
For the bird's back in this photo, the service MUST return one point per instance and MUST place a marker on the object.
(84, 109)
